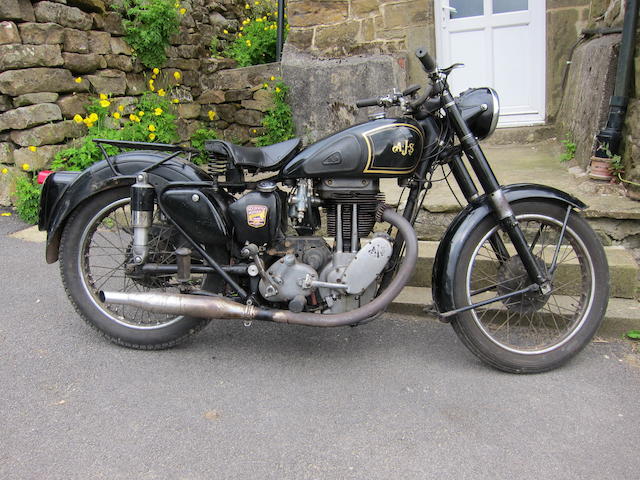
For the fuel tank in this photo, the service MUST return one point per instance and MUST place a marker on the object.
(388, 147)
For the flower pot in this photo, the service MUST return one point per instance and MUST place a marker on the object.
(600, 169)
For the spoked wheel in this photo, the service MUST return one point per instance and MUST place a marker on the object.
(531, 332)
(95, 255)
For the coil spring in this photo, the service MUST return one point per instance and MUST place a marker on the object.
(216, 166)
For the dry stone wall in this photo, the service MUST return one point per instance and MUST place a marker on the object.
(55, 56)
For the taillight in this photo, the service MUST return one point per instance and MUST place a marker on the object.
(42, 176)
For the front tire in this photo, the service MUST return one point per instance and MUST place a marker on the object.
(94, 253)
(531, 332)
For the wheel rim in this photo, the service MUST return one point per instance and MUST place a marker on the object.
(103, 255)
(534, 324)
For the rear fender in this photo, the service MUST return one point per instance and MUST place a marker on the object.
(63, 192)
(457, 234)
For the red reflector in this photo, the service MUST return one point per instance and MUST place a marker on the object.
(42, 176)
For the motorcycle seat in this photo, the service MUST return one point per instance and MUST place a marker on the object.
(271, 157)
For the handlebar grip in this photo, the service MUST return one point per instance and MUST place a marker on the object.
(428, 63)
(367, 102)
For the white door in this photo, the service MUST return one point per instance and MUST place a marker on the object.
(502, 44)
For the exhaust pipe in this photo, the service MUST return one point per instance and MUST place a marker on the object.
(221, 307)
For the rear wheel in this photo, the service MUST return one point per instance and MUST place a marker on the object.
(95, 254)
(531, 332)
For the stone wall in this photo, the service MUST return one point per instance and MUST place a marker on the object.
(339, 28)
(55, 56)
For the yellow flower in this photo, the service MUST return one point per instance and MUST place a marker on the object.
(158, 111)
(273, 78)
(211, 114)
(265, 85)
(161, 92)
(152, 136)
(277, 89)
(103, 96)
(259, 20)
(225, 31)
(25, 166)
(247, 6)
(246, 22)
(88, 124)
(183, 11)
(248, 42)
(93, 117)
(177, 5)
(177, 75)
(141, 113)
(175, 100)
(265, 29)
(105, 103)
(257, 2)
(116, 116)
(5, 214)
(254, 131)
(153, 77)
(5, 171)
(152, 128)
(78, 80)
(32, 148)
(134, 118)
(78, 118)
(121, 108)
(156, 71)
(240, 35)
(264, 19)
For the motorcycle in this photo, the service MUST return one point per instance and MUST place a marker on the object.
(152, 247)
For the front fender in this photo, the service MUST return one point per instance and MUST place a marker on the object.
(60, 199)
(467, 221)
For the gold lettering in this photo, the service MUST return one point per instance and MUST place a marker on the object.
(403, 148)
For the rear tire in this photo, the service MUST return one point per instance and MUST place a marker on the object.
(531, 332)
(93, 253)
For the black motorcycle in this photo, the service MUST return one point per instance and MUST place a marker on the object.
(152, 247)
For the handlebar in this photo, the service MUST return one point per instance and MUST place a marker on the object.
(368, 102)
(427, 61)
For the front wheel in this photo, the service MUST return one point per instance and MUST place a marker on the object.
(95, 254)
(531, 332)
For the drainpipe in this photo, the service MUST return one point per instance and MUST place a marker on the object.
(280, 39)
(608, 140)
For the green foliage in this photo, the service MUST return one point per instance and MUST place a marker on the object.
(634, 334)
(616, 166)
(152, 121)
(255, 43)
(148, 26)
(213, 46)
(569, 149)
(197, 141)
(28, 199)
(278, 121)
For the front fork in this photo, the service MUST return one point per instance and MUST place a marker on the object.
(501, 207)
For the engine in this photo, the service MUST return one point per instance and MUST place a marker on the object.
(306, 272)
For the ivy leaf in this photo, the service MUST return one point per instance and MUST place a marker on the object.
(634, 334)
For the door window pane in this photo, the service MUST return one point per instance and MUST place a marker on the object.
(466, 8)
(504, 6)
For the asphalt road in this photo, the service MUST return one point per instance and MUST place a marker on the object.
(400, 398)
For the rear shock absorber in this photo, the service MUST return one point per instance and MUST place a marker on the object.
(142, 198)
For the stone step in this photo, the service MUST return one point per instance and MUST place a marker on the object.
(623, 270)
(622, 314)
(522, 135)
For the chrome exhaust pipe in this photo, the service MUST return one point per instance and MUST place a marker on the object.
(221, 307)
